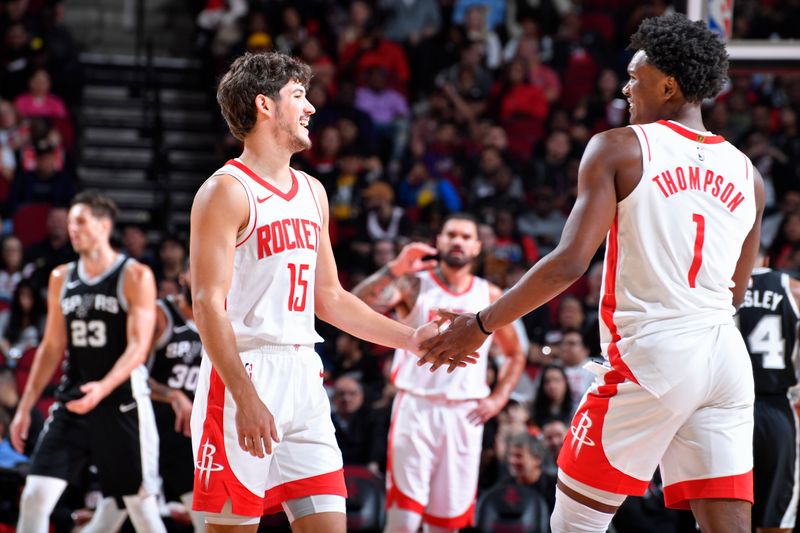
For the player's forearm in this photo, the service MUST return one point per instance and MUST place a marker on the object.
(343, 310)
(545, 280)
(44, 365)
(219, 343)
(160, 392)
(133, 357)
(376, 291)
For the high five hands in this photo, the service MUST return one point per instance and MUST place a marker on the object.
(455, 346)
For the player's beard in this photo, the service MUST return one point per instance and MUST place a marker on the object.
(295, 142)
(456, 261)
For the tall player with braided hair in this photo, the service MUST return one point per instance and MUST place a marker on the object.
(681, 208)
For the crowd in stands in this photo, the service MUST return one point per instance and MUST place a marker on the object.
(423, 108)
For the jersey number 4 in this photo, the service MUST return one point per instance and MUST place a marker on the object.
(767, 339)
(91, 333)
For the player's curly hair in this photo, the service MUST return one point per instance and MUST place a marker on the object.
(253, 74)
(688, 51)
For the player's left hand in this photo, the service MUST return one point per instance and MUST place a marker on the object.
(182, 406)
(93, 392)
(487, 409)
(455, 345)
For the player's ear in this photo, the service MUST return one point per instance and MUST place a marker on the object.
(670, 87)
(263, 104)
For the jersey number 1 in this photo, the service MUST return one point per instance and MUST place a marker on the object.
(697, 260)
(297, 282)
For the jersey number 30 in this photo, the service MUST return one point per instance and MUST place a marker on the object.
(91, 333)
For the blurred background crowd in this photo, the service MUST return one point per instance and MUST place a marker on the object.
(423, 108)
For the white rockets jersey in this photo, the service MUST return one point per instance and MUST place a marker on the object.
(672, 250)
(271, 298)
(465, 383)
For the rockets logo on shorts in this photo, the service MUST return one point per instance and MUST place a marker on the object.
(206, 464)
(579, 433)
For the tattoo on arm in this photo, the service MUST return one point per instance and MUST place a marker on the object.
(381, 289)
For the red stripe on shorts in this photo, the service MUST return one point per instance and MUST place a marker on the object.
(457, 522)
(214, 481)
(738, 487)
(393, 495)
(582, 456)
(330, 483)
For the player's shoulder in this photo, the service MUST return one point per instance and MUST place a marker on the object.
(137, 272)
(59, 274)
(615, 138)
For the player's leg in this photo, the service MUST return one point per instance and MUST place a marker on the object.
(226, 521)
(410, 463)
(60, 456)
(708, 466)
(612, 450)
(198, 519)
(107, 517)
(319, 512)
(454, 479)
(38, 500)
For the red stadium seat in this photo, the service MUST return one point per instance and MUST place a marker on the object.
(511, 508)
(29, 223)
(366, 503)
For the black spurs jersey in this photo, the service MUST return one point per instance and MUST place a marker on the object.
(95, 314)
(768, 320)
(176, 361)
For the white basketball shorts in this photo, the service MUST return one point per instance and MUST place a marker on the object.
(700, 431)
(305, 462)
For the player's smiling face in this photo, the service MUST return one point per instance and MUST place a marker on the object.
(645, 90)
(292, 115)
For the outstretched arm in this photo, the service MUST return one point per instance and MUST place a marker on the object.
(140, 291)
(586, 227)
(48, 354)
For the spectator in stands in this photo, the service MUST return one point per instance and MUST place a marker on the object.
(526, 455)
(553, 433)
(539, 74)
(39, 102)
(44, 185)
(544, 222)
(8, 159)
(787, 242)
(510, 245)
(294, 32)
(382, 219)
(574, 354)
(388, 109)
(355, 26)
(419, 189)
(219, 24)
(353, 422)
(352, 361)
(62, 53)
(135, 245)
(373, 50)
(479, 31)
(12, 269)
(554, 398)
(171, 259)
(22, 325)
(16, 60)
(54, 250)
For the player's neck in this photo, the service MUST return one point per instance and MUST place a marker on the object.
(688, 115)
(97, 260)
(265, 158)
(456, 278)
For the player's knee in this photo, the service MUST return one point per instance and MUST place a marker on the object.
(570, 516)
(41, 494)
(402, 521)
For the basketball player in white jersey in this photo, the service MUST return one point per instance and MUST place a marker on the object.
(261, 267)
(434, 414)
(682, 210)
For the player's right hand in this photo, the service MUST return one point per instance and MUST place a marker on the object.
(182, 406)
(411, 260)
(255, 426)
(19, 429)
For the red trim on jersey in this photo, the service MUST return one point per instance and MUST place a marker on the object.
(330, 483)
(738, 487)
(457, 522)
(447, 289)
(313, 195)
(646, 141)
(582, 455)
(401, 359)
(692, 135)
(608, 304)
(252, 199)
(214, 481)
(288, 195)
